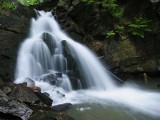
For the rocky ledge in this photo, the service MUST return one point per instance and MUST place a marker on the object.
(19, 102)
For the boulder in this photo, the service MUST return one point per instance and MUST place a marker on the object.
(49, 115)
(43, 115)
(61, 107)
(50, 42)
(7, 90)
(30, 82)
(24, 94)
(44, 98)
(36, 89)
(14, 107)
(52, 78)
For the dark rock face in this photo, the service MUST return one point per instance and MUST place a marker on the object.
(13, 29)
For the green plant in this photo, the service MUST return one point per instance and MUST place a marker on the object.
(110, 34)
(119, 28)
(8, 5)
(139, 26)
(29, 2)
(117, 12)
(88, 1)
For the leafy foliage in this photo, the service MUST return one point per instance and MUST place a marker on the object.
(139, 26)
(29, 2)
(119, 28)
(88, 1)
(117, 12)
(109, 5)
(8, 5)
(110, 34)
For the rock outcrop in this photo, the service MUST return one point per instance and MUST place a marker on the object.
(17, 101)
(13, 29)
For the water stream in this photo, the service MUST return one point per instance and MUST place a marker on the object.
(70, 72)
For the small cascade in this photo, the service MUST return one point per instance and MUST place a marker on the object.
(48, 48)
(71, 73)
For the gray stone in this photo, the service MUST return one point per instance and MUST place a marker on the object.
(7, 90)
(24, 94)
(14, 107)
(44, 98)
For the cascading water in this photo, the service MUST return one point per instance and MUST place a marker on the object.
(43, 51)
(57, 63)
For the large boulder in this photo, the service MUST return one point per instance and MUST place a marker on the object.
(14, 107)
(24, 94)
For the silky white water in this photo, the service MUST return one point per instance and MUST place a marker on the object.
(42, 58)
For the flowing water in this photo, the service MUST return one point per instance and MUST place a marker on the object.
(61, 66)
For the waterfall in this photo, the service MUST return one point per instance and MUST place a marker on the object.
(58, 64)
(47, 48)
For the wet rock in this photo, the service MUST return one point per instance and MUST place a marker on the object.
(24, 94)
(14, 107)
(30, 82)
(36, 108)
(61, 107)
(43, 115)
(7, 90)
(50, 42)
(36, 89)
(44, 98)
(52, 78)
(49, 115)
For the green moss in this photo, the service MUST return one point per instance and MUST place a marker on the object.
(8, 5)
